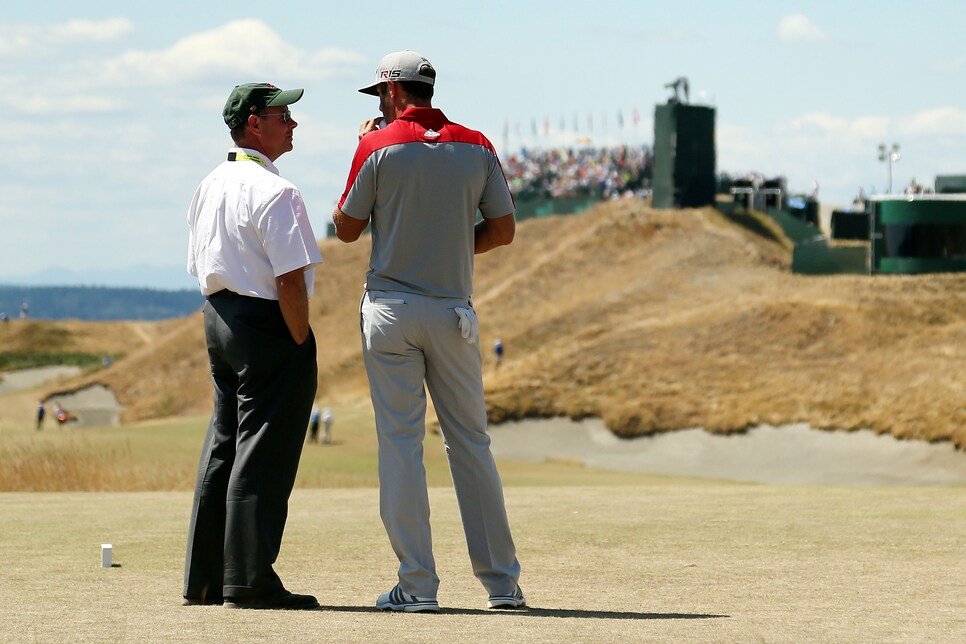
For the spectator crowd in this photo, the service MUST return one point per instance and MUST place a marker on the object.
(599, 173)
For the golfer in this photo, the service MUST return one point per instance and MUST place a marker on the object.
(419, 181)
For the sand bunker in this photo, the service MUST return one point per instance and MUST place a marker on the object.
(29, 378)
(790, 454)
(92, 406)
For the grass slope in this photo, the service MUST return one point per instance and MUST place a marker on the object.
(654, 321)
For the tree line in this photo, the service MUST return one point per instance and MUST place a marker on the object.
(96, 303)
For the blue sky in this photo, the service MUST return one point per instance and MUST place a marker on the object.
(113, 112)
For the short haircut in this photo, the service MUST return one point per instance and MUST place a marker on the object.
(418, 89)
(238, 133)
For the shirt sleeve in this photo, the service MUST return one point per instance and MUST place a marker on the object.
(286, 232)
(359, 197)
(496, 200)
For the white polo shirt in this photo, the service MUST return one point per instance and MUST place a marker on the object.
(247, 226)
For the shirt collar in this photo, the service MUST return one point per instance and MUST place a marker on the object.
(425, 116)
(255, 153)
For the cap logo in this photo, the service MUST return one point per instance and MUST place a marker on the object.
(431, 134)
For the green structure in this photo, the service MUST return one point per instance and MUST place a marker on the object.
(919, 234)
(684, 156)
(951, 183)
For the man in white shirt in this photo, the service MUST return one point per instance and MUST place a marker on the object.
(252, 248)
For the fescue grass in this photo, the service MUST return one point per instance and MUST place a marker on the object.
(652, 320)
(163, 455)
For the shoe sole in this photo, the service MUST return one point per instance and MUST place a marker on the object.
(422, 607)
(198, 602)
(233, 605)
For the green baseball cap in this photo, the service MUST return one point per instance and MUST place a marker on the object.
(252, 98)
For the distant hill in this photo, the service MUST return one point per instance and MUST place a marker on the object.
(97, 303)
(165, 278)
(652, 320)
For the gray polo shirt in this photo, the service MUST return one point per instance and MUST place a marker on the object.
(422, 180)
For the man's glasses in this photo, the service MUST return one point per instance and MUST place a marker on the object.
(286, 115)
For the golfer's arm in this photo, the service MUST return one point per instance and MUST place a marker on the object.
(293, 299)
(348, 228)
(495, 232)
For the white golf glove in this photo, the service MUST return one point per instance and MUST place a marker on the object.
(469, 325)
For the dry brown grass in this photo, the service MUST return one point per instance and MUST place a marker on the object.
(671, 319)
(97, 338)
(652, 320)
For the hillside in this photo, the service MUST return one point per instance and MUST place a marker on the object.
(652, 320)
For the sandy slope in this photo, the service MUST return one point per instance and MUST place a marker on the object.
(652, 321)
(787, 455)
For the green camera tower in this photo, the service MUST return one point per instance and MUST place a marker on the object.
(684, 155)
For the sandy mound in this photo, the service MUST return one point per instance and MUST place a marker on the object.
(791, 455)
(653, 321)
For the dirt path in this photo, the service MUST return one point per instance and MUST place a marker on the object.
(786, 455)
(138, 329)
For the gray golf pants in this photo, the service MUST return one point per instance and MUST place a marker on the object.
(408, 340)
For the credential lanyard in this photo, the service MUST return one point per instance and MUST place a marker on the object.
(242, 156)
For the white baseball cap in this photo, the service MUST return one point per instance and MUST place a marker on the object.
(402, 66)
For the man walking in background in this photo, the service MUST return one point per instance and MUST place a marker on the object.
(252, 248)
(420, 181)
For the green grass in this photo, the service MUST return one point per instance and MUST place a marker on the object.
(14, 360)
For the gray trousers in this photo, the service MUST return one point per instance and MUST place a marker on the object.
(264, 386)
(408, 340)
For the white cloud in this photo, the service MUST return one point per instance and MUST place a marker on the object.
(109, 30)
(798, 28)
(841, 152)
(819, 121)
(247, 48)
(940, 121)
(153, 79)
(870, 127)
(71, 104)
(41, 40)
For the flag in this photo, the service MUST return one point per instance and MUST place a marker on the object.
(620, 120)
(635, 117)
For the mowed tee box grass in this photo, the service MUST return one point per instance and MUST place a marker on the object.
(656, 560)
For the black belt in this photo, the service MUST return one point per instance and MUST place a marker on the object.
(225, 294)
